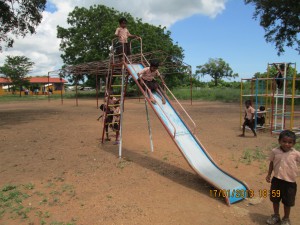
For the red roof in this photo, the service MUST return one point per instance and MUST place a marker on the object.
(44, 80)
(39, 80)
(4, 80)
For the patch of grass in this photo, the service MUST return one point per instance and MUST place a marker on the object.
(209, 94)
(11, 199)
(263, 168)
(44, 201)
(55, 192)
(43, 215)
(14, 207)
(61, 179)
(8, 187)
(247, 156)
(29, 186)
(123, 163)
(68, 189)
(250, 155)
(259, 154)
(50, 184)
(61, 223)
(109, 196)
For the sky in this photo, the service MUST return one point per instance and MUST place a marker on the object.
(203, 28)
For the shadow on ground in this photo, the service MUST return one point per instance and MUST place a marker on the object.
(165, 169)
(15, 117)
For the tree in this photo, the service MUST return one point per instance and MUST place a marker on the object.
(281, 20)
(217, 69)
(16, 68)
(18, 18)
(89, 36)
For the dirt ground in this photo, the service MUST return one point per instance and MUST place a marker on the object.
(52, 157)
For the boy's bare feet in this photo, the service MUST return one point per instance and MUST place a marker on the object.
(153, 100)
(163, 100)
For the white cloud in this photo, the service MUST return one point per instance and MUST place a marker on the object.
(43, 47)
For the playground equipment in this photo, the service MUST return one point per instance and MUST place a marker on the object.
(181, 133)
(279, 102)
(180, 127)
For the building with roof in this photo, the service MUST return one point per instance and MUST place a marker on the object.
(37, 86)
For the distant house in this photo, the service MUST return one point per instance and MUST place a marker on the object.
(38, 86)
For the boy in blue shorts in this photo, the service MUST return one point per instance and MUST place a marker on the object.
(283, 162)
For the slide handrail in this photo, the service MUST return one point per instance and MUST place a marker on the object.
(193, 122)
(123, 54)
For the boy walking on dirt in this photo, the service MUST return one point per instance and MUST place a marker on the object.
(249, 115)
(147, 77)
(283, 162)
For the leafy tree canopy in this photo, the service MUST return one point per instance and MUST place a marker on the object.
(16, 68)
(91, 32)
(217, 69)
(281, 22)
(18, 18)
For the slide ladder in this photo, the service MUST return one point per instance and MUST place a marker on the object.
(115, 82)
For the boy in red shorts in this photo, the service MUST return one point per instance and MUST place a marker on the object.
(283, 162)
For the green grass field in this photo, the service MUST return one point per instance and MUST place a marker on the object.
(207, 94)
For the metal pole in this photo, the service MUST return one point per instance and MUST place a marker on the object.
(121, 111)
(241, 104)
(149, 126)
(190, 70)
(76, 90)
(283, 98)
(276, 108)
(97, 92)
(48, 86)
(293, 99)
(256, 103)
(272, 103)
(61, 90)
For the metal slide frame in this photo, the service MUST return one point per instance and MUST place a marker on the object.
(228, 197)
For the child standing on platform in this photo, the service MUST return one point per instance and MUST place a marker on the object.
(147, 77)
(283, 162)
(249, 115)
(123, 34)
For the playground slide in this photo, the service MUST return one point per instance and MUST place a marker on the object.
(232, 189)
